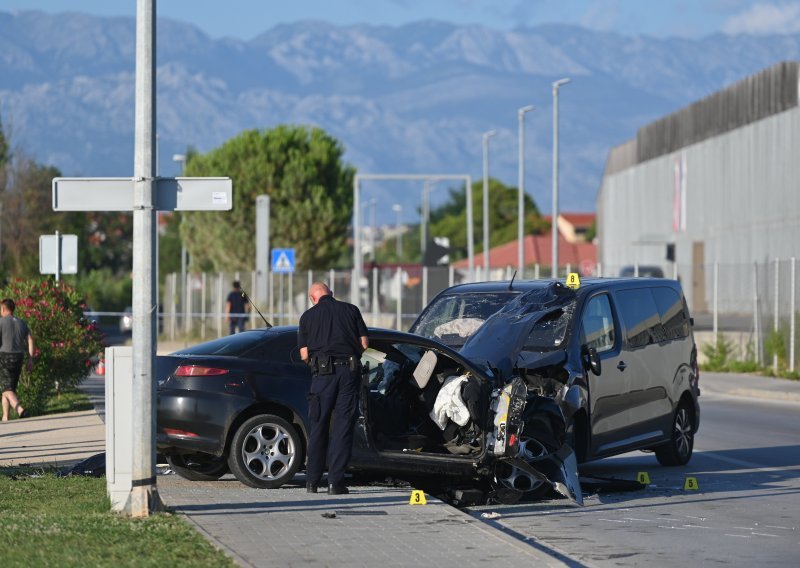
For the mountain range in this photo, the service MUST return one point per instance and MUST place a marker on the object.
(414, 98)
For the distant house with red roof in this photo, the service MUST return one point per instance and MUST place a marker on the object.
(573, 250)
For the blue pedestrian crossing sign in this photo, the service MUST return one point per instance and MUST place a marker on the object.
(283, 260)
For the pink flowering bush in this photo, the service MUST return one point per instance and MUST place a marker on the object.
(66, 343)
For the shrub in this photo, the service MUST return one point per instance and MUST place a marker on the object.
(65, 342)
(717, 354)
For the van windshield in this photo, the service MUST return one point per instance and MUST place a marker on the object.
(453, 318)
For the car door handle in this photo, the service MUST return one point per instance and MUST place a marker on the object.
(621, 365)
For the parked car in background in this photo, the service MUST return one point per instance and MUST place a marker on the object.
(622, 350)
(427, 414)
(644, 271)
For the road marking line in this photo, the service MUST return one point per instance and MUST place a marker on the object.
(611, 520)
(738, 535)
(697, 527)
(782, 528)
(639, 520)
(765, 534)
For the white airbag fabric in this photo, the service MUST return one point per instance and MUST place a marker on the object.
(449, 404)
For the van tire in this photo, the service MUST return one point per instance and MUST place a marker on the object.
(678, 451)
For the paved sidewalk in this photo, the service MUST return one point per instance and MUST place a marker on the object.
(373, 526)
(54, 440)
(749, 386)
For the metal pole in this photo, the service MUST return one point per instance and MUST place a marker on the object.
(423, 226)
(486, 136)
(187, 305)
(521, 193)
(375, 295)
(58, 257)
(716, 303)
(556, 86)
(470, 230)
(358, 260)
(792, 315)
(144, 498)
(220, 306)
(399, 299)
(755, 314)
(451, 275)
(397, 208)
(424, 286)
(253, 284)
(310, 282)
(173, 284)
(332, 280)
(776, 319)
(203, 283)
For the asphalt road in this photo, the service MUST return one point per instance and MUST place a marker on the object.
(745, 512)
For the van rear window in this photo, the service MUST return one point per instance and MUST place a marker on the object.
(672, 310)
(640, 314)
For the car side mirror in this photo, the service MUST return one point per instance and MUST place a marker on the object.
(591, 360)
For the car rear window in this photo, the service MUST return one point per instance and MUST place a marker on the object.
(229, 345)
(452, 318)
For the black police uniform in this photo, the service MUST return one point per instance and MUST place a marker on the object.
(332, 331)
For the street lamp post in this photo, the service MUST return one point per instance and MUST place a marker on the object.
(372, 228)
(181, 159)
(397, 208)
(427, 187)
(486, 136)
(556, 86)
(521, 201)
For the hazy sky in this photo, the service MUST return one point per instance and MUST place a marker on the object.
(246, 18)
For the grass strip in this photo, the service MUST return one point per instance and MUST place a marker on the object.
(51, 521)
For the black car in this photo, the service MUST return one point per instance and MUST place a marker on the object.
(621, 350)
(238, 403)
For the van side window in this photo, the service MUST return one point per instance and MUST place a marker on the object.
(672, 312)
(640, 314)
(598, 324)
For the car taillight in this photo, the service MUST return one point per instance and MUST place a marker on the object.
(198, 371)
(183, 433)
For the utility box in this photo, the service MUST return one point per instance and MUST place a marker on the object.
(119, 425)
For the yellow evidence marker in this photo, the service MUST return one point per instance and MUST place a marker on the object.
(691, 484)
(643, 477)
(417, 498)
(573, 280)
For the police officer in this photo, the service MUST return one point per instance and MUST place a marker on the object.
(331, 337)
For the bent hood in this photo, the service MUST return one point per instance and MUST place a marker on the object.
(528, 331)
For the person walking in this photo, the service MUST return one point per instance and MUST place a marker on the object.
(236, 308)
(331, 337)
(15, 339)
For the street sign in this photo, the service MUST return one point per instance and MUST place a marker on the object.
(116, 194)
(58, 258)
(283, 260)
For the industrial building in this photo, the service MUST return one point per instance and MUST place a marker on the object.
(711, 195)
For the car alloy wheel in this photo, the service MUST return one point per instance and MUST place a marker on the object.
(514, 478)
(198, 467)
(678, 451)
(265, 452)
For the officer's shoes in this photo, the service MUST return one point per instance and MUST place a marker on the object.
(311, 487)
(337, 490)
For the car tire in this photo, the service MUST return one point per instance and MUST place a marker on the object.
(678, 451)
(198, 467)
(266, 452)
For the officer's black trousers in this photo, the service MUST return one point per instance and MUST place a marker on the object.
(331, 396)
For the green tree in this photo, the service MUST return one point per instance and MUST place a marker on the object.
(449, 220)
(310, 192)
(65, 342)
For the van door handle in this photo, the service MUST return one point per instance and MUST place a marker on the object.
(621, 365)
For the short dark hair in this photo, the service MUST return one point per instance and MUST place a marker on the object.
(236, 284)
(9, 304)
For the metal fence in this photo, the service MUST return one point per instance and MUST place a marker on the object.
(749, 304)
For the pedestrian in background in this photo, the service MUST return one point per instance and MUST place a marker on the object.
(331, 337)
(236, 308)
(15, 339)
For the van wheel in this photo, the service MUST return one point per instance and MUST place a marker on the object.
(678, 451)
(198, 467)
(266, 452)
(509, 478)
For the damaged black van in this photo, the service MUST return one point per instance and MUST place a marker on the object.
(618, 352)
